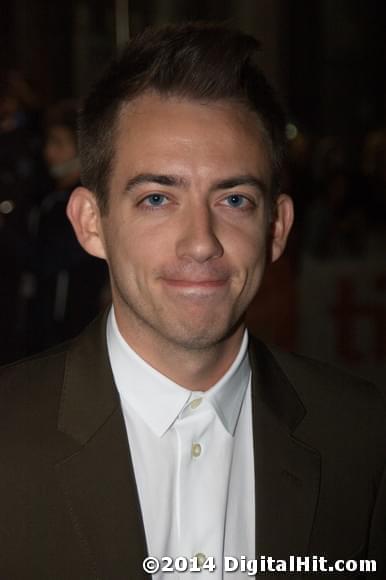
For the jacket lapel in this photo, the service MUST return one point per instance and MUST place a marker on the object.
(98, 480)
(287, 471)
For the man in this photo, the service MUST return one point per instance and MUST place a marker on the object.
(165, 430)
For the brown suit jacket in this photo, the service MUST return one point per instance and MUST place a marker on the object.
(69, 507)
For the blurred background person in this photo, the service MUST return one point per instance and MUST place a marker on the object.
(62, 287)
(22, 178)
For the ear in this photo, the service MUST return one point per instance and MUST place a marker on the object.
(281, 225)
(84, 215)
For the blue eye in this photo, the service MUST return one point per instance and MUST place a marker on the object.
(155, 200)
(236, 200)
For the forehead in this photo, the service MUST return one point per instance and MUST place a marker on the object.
(153, 131)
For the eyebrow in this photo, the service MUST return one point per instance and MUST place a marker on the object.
(238, 180)
(168, 180)
(178, 181)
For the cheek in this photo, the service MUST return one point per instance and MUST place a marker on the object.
(252, 260)
(134, 253)
(248, 247)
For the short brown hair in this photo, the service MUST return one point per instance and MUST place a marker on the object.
(194, 60)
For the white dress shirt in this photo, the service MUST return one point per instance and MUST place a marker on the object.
(192, 454)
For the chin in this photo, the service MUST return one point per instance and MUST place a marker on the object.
(194, 338)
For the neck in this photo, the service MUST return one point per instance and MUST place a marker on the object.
(193, 369)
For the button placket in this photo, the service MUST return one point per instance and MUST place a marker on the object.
(195, 429)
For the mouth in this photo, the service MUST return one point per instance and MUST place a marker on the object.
(183, 283)
(196, 289)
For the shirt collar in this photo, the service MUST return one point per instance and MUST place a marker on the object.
(158, 400)
(227, 395)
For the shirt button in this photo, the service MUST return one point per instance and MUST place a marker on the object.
(201, 559)
(196, 450)
(195, 403)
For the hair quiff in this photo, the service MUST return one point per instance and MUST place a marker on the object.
(207, 62)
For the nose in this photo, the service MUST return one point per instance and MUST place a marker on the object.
(198, 240)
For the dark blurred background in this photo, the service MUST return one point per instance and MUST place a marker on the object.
(327, 296)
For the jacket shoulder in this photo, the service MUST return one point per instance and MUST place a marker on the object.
(346, 410)
(34, 369)
(313, 377)
(30, 393)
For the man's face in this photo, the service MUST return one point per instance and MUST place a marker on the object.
(185, 235)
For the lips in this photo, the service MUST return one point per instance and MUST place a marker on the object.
(202, 283)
